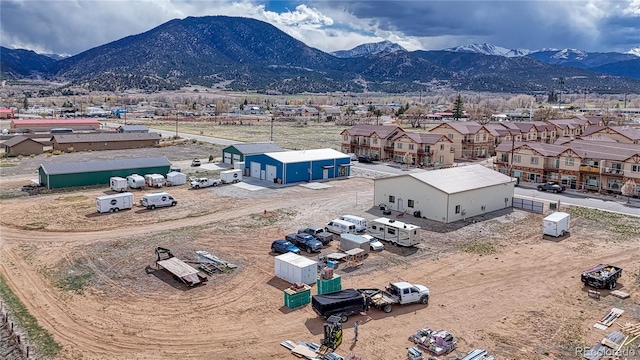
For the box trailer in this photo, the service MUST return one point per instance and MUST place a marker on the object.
(114, 203)
(135, 181)
(351, 241)
(175, 178)
(556, 224)
(296, 269)
(394, 231)
(231, 176)
(154, 180)
(118, 184)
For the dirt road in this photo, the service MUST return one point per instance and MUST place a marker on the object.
(521, 300)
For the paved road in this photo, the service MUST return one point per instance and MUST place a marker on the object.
(594, 201)
(590, 200)
(165, 133)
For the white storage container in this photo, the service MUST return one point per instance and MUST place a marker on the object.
(176, 178)
(296, 269)
(556, 224)
(351, 241)
(238, 165)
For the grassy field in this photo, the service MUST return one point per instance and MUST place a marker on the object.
(290, 135)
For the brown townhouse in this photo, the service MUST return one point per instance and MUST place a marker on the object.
(391, 143)
(578, 164)
(469, 138)
(621, 134)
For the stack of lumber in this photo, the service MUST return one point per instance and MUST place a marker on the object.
(308, 350)
(620, 294)
(632, 331)
(608, 319)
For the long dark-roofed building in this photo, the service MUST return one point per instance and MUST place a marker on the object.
(104, 141)
(55, 175)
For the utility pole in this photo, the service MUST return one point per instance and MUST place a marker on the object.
(513, 146)
(176, 125)
(271, 128)
(560, 94)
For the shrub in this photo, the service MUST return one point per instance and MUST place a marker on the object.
(56, 152)
(210, 158)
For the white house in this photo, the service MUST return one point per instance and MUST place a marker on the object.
(446, 195)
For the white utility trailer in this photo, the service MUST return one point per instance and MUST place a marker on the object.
(114, 203)
(556, 224)
(118, 184)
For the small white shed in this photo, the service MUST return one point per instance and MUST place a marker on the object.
(296, 269)
(556, 224)
(176, 178)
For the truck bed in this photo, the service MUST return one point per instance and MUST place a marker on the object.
(379, 298)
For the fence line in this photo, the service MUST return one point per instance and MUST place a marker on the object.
(14, 345)
(529, 205)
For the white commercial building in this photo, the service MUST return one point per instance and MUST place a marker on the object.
(446, 195)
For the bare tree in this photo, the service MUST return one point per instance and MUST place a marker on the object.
(521, 101)
(479, 113)
(416, 114)
(545, 114)
(628, 189)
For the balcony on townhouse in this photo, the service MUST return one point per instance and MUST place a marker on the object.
(613, 171)
(550, 164)
(590, 168)
(388, 147)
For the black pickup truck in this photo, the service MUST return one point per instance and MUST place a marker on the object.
(601, 276)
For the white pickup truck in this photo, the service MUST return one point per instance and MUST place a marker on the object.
(205, 182)
(396, 293)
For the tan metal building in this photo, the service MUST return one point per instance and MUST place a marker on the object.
(104, 141)
(446, 195)
(22, 145)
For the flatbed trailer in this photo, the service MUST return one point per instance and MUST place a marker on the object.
(601, 276)
(180, 270)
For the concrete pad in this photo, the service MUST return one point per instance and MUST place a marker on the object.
(246, 186)
(315, 185)
(214, 166)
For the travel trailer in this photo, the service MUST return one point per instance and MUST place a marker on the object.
(396, 232)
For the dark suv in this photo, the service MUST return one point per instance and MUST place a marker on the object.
(364, 159)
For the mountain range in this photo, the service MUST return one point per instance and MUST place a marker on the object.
(247, 54)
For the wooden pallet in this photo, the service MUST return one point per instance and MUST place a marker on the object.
(608, 319)
(620, 294)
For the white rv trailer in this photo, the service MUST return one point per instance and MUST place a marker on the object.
(396, 232)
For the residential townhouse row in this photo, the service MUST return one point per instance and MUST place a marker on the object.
(473, 140)
(603, 166)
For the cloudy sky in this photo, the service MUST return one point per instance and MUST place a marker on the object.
(72, 26)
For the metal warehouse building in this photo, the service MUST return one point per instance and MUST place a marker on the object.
(237, 152)
(289, 167)
(104, 141)
(57, 175)
(446, 195)
(40, 125)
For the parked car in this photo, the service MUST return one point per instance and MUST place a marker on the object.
(374, 243)
(317, 232)
(551, 186)
(196, 162)
(284, 246)
(364, 159)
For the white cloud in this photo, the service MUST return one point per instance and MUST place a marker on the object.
(633, 9)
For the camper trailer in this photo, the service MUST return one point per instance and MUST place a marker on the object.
(154, 180)
(396, 232)
(118, 184)
(135, 181)
(114, 203)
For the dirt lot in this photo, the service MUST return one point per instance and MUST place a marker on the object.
(90, 280)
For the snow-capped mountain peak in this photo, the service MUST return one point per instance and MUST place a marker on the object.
(570, 53)
(635, 51)
(489, 49)
(369, 49)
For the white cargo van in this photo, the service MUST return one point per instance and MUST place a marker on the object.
(338, 226)
(135, 181)
(154, 180)
(159, 199)
(118, 184)
(360, 222)
(114, 203)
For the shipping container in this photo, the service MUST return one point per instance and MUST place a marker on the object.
(296, 269)
(294, 299)
(556, 224)
(328, 286)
